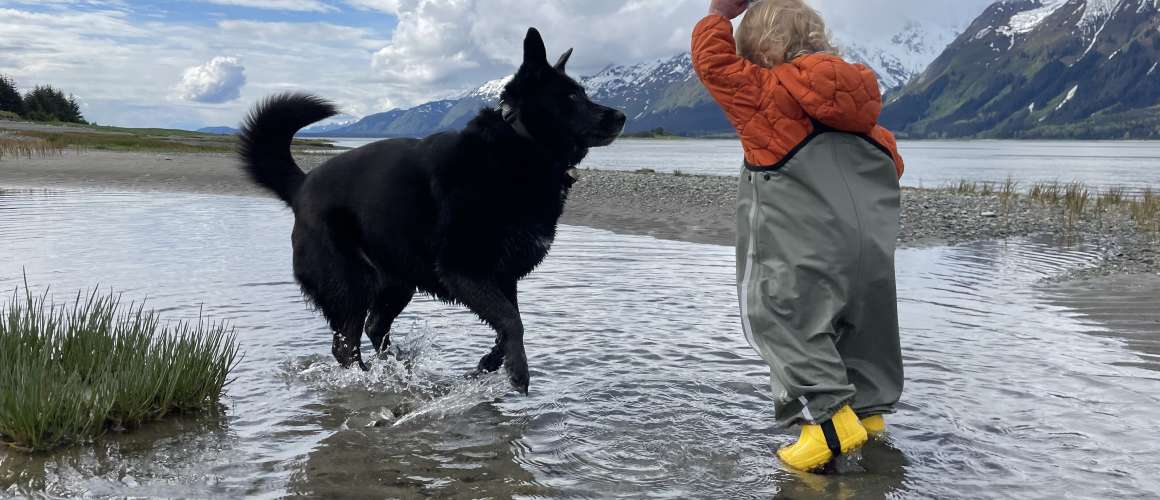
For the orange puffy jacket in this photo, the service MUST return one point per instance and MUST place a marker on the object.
(774, 110)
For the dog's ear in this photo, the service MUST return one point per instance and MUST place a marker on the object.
(563, 61)
(534, 52)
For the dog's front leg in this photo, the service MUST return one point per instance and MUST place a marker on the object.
(489, 301)
(494, 358)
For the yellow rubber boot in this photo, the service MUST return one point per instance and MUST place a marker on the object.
(875, 425)
(814, 449)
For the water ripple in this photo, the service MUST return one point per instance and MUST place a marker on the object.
(643, 385)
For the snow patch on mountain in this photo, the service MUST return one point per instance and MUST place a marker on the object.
(1028, 20)
(1095, 11)
(1070, 95)
(1094, 14)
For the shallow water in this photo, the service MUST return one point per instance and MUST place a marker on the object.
(642, 384)
(1132, 164)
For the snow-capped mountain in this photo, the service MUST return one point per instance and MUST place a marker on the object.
(663, 93)
(332, 124)
(1023, 68)
(488, 92)
(898, 58)
(1042, 68)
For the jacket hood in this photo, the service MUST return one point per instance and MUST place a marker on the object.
(834, 92)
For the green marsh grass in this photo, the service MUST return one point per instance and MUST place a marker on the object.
(1075, 200)
(87, 138)
(74, 371)
(27, 148)
(83, 139)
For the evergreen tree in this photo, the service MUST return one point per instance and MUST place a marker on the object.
(48, 104)
(9, 97)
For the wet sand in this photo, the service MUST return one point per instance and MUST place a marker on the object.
(1122, 307)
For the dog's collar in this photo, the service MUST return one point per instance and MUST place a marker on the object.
(512, 116)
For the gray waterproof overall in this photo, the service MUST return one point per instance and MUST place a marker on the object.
(815, 277)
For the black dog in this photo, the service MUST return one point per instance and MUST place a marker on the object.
(462, 216)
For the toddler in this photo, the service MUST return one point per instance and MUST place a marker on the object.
(817, 219)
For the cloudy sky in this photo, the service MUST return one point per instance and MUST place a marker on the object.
(192, 63)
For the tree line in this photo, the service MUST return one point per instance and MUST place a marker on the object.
(42, 103)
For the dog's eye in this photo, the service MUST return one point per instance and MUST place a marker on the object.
(574, 97)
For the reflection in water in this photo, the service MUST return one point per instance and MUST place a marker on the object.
(642, 384)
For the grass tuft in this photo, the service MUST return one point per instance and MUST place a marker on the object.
(1145, 210)
(1112, 197)
(965, 187)
(72, 372)
(1047, 193)
(1075, 197)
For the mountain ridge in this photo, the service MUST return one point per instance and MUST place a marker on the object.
(1041, 69)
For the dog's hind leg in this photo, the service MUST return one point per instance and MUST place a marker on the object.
(488, 301)
(340, 284)
(388, 302)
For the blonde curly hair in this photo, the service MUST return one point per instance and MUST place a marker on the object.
(776, 31)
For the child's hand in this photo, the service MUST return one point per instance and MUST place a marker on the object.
(728, 9)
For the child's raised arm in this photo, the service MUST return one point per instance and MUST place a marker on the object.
(733, 81)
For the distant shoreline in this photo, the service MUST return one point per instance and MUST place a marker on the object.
(679, 207)
(216, 139)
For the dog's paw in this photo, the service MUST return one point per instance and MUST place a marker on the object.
(490, 362)
(518, 375)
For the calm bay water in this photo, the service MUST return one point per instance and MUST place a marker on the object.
(643, 385)
(1134, 164)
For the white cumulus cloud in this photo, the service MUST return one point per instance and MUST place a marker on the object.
(217, 81)
(444, 45)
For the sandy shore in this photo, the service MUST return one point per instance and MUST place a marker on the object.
(689, 208)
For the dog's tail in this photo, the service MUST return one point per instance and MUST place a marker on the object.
(266, 135)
